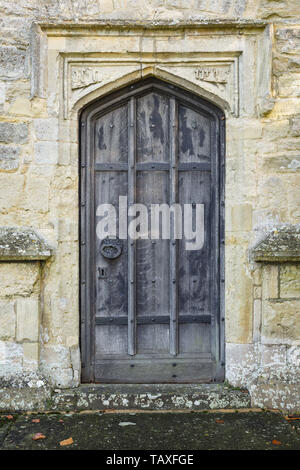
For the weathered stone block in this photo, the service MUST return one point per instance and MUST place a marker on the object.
(12, 62)
(289, 281)
(275, 130)
(295, 126)
(37, 192)
(19, 279)
(288, 40)
(7, 321)
(28, 320)
(281, 322)
(13, 133)
(46, 153)
(11, 190)
(9, 158)
(241, 363)
(11, 358)
(256, 320)
(270, 282)
(31, 356)
(238, 297)
(288, 85)
(257, 292)
(55, 355)
(241, 218)
(293, 356)
(46, 129)
(273, 354)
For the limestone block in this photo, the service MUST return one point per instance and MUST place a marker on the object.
(55, 356)
(9, 157)
(279, 163)
(11, 190)
(281, 322)
(11, 358)
(46, 129)
(241, 363)
(7, 321)
(19, 278)
(251, 129)
(288, 84)
(285, 107)
(270, 282)
(293, 356)
(281, 9)
(295, 126)
(20, 106)
(46, 153)
(288, 40)
(273, 354)
(2, 93)
(28, 320)
(12, 62)
(241, 218)
(13, 133)
(290, 281)
(62, 378)
(276, 130)
(37, 194)
(31, 356)
(257, 292)
(256, 320)
(238, 297)
(275, 396)
(75, 358)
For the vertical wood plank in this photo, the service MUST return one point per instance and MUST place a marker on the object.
(131, 243)
(173, 247)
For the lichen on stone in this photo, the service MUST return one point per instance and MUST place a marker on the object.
(282, 244)
(22, 243)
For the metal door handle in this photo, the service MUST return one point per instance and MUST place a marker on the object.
(111, 248)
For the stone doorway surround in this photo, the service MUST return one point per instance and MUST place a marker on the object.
(226, 62)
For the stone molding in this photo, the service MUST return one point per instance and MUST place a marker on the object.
(227, 62)
(22, 244)
(280, 245)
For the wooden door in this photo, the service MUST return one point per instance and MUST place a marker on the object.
(151, 310)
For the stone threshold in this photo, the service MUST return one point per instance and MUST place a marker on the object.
(149, 397)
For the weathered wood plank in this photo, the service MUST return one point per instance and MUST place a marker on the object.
(131, 243)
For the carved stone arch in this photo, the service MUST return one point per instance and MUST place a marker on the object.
(148, 72)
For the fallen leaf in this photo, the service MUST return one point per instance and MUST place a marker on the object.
(276, 443)
(220, 421)
(36, 420)
(38, 436)
(127, 423)
(66, 442)
(9, 417)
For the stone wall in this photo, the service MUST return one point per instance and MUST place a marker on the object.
(39, 313)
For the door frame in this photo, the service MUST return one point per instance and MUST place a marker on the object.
(86, 207)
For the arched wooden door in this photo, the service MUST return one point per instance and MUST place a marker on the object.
(152, 310)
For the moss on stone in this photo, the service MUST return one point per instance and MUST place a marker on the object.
(282, 244)
(22, 243)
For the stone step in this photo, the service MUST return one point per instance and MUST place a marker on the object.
(150, 397)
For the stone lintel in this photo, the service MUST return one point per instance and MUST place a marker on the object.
(280, 245)
(22, 244)
(153, 24)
